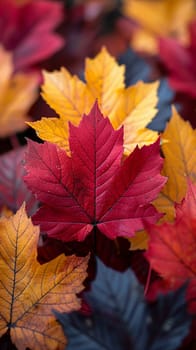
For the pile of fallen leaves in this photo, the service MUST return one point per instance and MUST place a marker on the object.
(98, 205)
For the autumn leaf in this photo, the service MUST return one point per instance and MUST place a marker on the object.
(179, 163)
(139, 241)
(120, 318)
(92, 189)
(136, 103)
(172, 246)
(27, 29)
(134, 107)
(161, 18)
(179, 61)
(138, 69)
(13, 190)
(29, 291)
(17, 94)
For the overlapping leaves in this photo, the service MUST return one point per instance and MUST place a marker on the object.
(90, 192)
(29, 291)
(93, 189)
(133, 107)
(27, 30)
(161, 18)
(179, 164)
(121, 319)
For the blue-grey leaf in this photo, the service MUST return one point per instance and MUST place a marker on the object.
(121, 319)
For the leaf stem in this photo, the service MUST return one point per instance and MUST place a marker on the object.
(95, 239)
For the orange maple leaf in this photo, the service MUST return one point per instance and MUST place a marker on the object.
(29, 291)
(17, 93)
(134, 107)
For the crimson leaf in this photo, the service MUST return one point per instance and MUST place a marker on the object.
(28, 30)
(94, 189)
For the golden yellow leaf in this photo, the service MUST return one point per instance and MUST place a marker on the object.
(17, 94)
(29, 291)
(165, 18)
(70, 98)
(66, 94)
(54, 130)
(134, 107)
(139, 241)
(179, 163)
(142, 137)
(104, 79)
(137, 105)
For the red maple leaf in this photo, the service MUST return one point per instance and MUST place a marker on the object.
(172, 247)
(180, 62)
(94, 188)
(27, 30)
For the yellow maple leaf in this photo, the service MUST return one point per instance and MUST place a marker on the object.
(179, 163)
(104, 79)
(29, 291)
(17, 94)
(160, 18)
(139, 241)
(134, 107)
